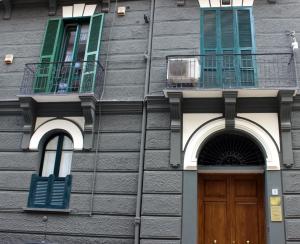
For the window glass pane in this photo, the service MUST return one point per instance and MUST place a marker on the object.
(52, 144)
(67, 144)
(65, 164)
(49, 162)
(227, 29)
(82, 42)
(210, 29)
(70, 45)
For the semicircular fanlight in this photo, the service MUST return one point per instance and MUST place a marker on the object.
(230, 149)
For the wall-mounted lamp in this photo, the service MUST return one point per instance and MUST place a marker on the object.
(121, 11)
(294, 44)
(9, 58)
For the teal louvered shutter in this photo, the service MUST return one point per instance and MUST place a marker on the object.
(228, 64)
(227, 30)
(90, 67)
(246, 48)
(49, 54)
(210, 30)
(209, 47)
(244, 28)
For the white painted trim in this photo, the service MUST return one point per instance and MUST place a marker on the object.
(214, 93)
(269, 121)
(190, 156)
(77, 120)
(57, 124)
(272, 154)
(216, 3)
(192, 121)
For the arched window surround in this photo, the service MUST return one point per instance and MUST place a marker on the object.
(52, 126)
(201, 134)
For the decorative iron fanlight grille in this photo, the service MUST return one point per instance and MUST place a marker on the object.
(230, 149)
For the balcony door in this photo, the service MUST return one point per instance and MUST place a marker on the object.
(227, 45)
(231, 209)
(72, 57)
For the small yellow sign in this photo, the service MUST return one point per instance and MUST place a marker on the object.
(276, 213)
(275, 201)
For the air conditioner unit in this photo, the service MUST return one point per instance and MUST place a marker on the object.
(183, 70)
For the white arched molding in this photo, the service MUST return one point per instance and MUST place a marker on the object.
(191, 151)
(271, 151)
(57, 124)
(190, 156)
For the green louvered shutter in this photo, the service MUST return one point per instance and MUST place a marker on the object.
(49, 54)
(92, 54)
(247, 62)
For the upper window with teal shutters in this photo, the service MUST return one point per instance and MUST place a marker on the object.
(69, 55)
(227, 43)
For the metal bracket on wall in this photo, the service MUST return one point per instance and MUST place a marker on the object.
(180, 3)
(7, 9)
(175, 99)
(28, 105)
(88, 105)
(105, 6)
(230, 98)
(285, 110)
(52, 7)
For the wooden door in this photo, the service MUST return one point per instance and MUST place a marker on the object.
(231, 209)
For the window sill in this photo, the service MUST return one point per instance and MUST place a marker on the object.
(48, 210)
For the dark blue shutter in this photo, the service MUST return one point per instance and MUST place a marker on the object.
(49, 192)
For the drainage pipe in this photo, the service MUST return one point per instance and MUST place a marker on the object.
(143, 132)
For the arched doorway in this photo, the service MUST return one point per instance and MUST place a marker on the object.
(230, 205)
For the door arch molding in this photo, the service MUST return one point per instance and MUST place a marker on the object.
(267, 143)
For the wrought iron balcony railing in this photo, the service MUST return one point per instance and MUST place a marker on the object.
(221, 71)
(62, 78)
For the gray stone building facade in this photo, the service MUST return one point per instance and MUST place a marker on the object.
(177, 121)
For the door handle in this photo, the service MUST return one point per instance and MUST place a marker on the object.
(215, 241)
(248, 242)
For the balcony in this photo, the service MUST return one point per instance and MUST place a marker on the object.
(250, 74)
(49, 192)
(62, 81)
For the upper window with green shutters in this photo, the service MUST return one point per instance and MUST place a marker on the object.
(70, 55)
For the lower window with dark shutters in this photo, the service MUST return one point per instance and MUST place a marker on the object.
(49, 192)
(51, 188)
